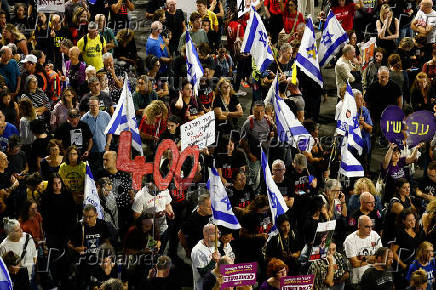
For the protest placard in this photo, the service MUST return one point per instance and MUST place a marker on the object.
(367, 51)
(200, 132)
(391, 124)
(303, 282)
(420, 127)
(50, 6)
(322, 239)
(238, 274)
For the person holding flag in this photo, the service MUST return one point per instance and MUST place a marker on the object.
(193, 66)
(124, 118)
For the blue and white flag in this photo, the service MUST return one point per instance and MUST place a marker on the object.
(256, 42)
(124, 118)
(277, 203)
(5, 279)
(307, 56)
(221, 207)
(350, 166)
(289, 129)
(333, 38)
(91, 194)
(348, 121)
(193, 65)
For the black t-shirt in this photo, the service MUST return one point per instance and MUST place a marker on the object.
(231, 107)
(193, 228)
(375, 216)
(194, 107)
(230, 164)
(55, 42)
(167, 135)
(408, 245)
(285, 68)
(118, 20)
(427, 186)
(206, 95)
(391, 92)
(174, 24)
(377, 280)
(78, 136)
(105, 102)
(39, 149)
(92, 238)
(240, 198)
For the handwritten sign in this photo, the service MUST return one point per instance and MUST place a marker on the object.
(50, 6)
(420, 126)
(304, 282)
(200, 132)
(238, 274)
(391, 124)
(138, 167)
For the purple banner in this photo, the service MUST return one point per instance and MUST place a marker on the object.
(391, 124)
(238, 274)
(421, 127)
(304, 282)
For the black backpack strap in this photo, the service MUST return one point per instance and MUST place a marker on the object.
(23, 254)
(85, 41)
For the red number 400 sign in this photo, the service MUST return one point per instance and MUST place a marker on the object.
(138, 167)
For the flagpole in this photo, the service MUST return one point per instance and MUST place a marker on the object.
(216, 238)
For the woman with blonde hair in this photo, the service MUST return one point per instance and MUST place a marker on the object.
(360, 186)
(153, 124)
(388, 29)
(226, 107)
(11, 34)
(422, 93)
(424, 260)
(429, 221)
(80, 24)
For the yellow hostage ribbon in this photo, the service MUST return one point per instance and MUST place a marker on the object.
(294, 74)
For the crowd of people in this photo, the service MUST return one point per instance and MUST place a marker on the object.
(62, 75)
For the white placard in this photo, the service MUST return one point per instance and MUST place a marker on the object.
(50, 6)
(200, 132)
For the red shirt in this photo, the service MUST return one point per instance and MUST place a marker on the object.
(154, 129)
(345, 15)
(273, 6)
(33, 227)
(289, 19)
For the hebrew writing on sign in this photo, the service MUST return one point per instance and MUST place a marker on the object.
(200, 132)
(50, 6)
(391, 124)
(238, 274)
(420, 127)
(138, 167)
(303, 282)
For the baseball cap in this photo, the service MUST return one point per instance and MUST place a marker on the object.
(30, 57)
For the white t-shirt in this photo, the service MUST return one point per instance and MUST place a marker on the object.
(146, 203)
(201, 257)
(427, 19)
(356, 246)
(17, 248)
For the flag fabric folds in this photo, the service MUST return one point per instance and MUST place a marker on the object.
(221, 207)
(124, 118)
(256, 42)
(333, 38)
(277, 203)
(91, 194)
(307, 56)
(5, 279)
(193, 66)
(347, 121)
(289, 129)
(350, 166)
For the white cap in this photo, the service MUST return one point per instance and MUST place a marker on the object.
(31, 58)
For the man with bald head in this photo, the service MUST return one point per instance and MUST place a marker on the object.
(360, 247)
(9, 70)
(424, 24)
(204, 256)
(367, 207)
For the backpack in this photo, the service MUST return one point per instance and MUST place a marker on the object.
(85, 41)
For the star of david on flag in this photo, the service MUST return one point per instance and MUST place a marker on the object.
(307, 56)
(256, 42)
(221, 206)
(333, 39)
(193, 65)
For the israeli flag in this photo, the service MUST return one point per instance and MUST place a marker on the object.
(221, 207)
(193, 65)
(333, 38)
(91, 194)
(289, 129)
(124, 119)
(307, 56)
(348, 121)
(277, 203)
(5, 279)
(256, 42)
(350, 166)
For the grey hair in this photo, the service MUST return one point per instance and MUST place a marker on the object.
(278, 161)
(90, 68)
(382, 69)
(331, 183)
(9, 224)
(93, 80)
(300, 160)
(356, 92)
(284, 47)
(347, 48)
(156, 25)
(89, 207)
(203, 197)
(3, 50)
(107, 55)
